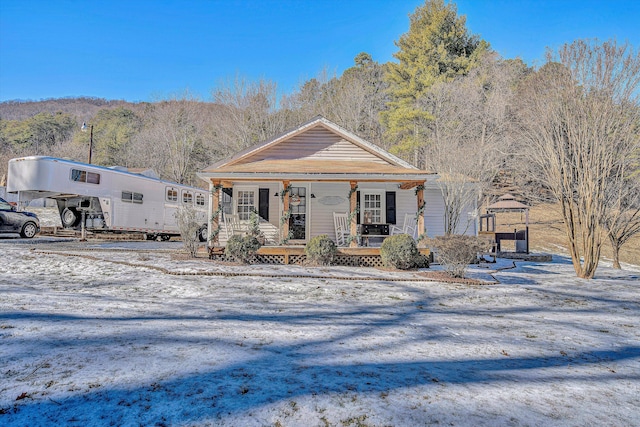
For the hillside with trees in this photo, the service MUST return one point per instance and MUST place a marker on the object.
(567, 131)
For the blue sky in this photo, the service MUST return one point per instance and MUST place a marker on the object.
(148, 50)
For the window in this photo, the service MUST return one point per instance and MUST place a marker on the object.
(172, 194)
(187, 197)
(131, 197)
(84, 176)
(372, 208)
(200, 199)
(246, 204)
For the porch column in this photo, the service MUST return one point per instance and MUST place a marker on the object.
(285, 210)
(420, 200)
(353, 227)
(214, 204)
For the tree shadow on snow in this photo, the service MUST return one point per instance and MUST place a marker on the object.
(270, 372)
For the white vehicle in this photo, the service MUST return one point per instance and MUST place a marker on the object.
(108, 199)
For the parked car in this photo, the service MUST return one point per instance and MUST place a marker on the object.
(12, 221)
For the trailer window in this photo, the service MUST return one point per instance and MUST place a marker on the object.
(137, 198)
(200, 199)
(187, 197)
(172, 194)
(84, 176)
(131, 197)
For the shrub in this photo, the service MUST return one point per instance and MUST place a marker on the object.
(254, 227)
(399, 251)
(189, 228)
(242, 248)
(320, 250)
(455, 252)
(421, 261)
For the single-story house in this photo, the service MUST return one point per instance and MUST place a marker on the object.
(304, 182)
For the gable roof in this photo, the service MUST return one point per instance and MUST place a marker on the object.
(316, 146)
(317, 150)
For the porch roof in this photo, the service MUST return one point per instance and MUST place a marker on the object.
(316, 170)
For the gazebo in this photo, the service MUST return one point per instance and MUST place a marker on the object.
(506, 203)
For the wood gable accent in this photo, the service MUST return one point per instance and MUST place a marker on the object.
(317, 143)
(317, 140)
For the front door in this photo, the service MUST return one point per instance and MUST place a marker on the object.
(298, 218)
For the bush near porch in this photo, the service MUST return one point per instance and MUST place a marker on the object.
(401, 252)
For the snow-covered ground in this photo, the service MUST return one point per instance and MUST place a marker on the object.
(95, 334)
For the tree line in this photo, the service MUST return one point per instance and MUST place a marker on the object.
(567, 130)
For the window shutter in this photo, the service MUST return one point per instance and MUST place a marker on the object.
(358, 207)
(391, 207)
(263, 203)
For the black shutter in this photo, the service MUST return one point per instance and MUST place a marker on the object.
(358, 207)
(391, 207)
(263, 203)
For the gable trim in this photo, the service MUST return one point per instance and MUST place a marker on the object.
(317, 121)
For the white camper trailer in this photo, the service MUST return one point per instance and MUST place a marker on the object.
(109, 199)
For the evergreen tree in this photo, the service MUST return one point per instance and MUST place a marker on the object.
(436, 48)
(113, 133)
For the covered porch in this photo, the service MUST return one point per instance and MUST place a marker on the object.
(291, 212)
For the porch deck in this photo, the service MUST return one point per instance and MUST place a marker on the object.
(290, 254)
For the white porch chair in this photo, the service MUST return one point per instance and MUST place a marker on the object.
(342, 228)
(409, 226)
(232, 225)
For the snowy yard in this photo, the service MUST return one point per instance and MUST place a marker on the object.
(104, 338)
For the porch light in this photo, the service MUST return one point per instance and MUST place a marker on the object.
(84, 129)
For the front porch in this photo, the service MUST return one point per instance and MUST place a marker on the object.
(294, 254)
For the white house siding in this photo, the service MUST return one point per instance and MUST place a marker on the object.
(321, 218)
(322, 214)
(434, 215)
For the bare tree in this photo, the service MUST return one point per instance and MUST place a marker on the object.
(622, 221)
(245, 114)
(353, 100)
(468, 136)
(189, 227)
(172, 141)
(579, 118)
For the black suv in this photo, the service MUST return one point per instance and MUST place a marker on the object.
(11, 221)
